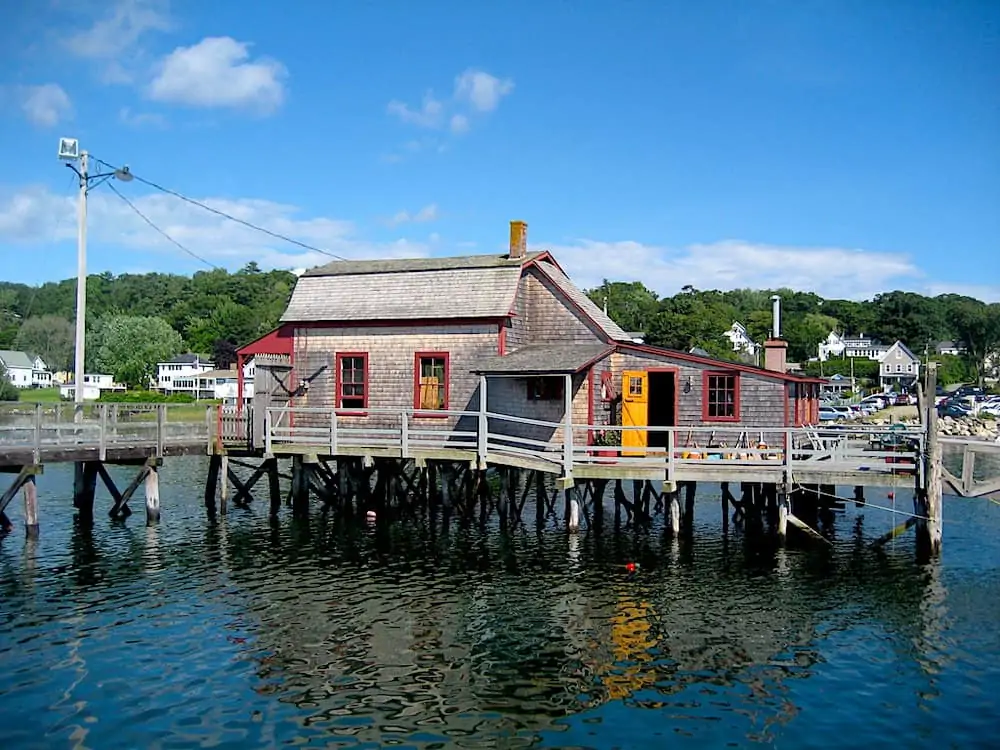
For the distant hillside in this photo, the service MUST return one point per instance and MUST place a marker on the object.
(204, 309)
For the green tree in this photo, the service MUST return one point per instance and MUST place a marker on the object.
(52, 337)
(977, 328)
(8, 392)
(129, 347)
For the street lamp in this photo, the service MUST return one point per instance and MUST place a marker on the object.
(69, 151)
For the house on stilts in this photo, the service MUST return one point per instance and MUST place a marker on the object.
(441, 336)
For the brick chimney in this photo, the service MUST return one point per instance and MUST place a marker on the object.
(518, 239)
(776, 348)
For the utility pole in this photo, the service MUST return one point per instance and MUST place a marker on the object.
(81, 284)
(69, 151)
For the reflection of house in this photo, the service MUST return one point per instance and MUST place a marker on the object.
(93, 386)
(860, 346)
(25, 370)
(180, 374)
(741, 341)
(427, 334)
(900, 367)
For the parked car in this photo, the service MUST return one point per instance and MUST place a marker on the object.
(952, 408)
(829, 414)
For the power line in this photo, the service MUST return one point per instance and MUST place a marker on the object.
(223, 214)
(164, 234)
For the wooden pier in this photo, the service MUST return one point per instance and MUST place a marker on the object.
(474, 464)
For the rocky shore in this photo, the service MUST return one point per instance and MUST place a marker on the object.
(987, 429)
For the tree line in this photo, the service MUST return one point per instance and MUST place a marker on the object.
(135, 320)
(694, 318)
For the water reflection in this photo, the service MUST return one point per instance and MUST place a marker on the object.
(253, 632)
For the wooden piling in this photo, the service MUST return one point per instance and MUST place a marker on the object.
(212, 482)
(690, 489)
(84, 489)
(783, 511)
(725, 507)
(152, 491)
(274, 487)
(674, 512)
(30, 491)
(300, 487)
(224, 488)
(573, 505)
(927, 501)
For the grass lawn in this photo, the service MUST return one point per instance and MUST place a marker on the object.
(39, 395)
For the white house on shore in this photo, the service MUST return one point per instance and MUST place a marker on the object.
(180, 374)
(860, 346)
(93, 386)
(224, 384)
(25, 370)
(741, 341)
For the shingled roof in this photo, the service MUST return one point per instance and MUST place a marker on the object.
(544, 359)
(575, 295)
(478, 286)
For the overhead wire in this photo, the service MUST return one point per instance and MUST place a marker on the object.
(218, 212)
(149, 221)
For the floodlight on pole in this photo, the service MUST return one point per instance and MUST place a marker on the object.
(69, 151)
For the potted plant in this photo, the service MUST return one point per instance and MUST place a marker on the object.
(607, 438)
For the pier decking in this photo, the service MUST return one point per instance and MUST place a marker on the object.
(857, 455)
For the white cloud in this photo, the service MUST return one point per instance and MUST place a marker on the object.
(141, 119)
(45, 105)
(476, 92)
(428, 115)
(218, 72)
(114, 39)
(481, 90)
(732, 264)
(36, 216)
(425, 214)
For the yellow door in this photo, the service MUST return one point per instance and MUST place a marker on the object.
(635, 411)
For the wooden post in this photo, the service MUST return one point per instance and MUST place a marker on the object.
(483, 424)
(37, 453)
(224, 486)
(300, 487)
(84, 489)
(30, 507)
(161, 420)
(573, 504)
(783, 509)
(212, 482)
(152, 490)
(690, 488)
(568, 427)
(725, 507)
(928, 501)
(275, 489)
(674, 513)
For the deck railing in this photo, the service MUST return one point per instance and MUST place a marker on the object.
(41, 428)
(564, 445)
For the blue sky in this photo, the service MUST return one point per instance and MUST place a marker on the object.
(844, 147)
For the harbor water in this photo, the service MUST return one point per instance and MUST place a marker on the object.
(247, 632)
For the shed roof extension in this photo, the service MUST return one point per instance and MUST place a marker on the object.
(478, 286)
(544, 359)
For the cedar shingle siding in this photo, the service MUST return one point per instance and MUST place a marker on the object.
(390, 310)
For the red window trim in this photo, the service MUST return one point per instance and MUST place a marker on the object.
(338, 382)
(705, 376)
(424, 413)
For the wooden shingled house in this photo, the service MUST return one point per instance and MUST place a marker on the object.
(425, 334)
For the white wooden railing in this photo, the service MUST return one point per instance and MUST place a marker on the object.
(489, 436)
(42, 428)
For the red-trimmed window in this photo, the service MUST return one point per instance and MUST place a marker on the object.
(430, 381)
(721, 397)
(352, 380)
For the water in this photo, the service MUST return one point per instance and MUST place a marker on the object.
(251, 634)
